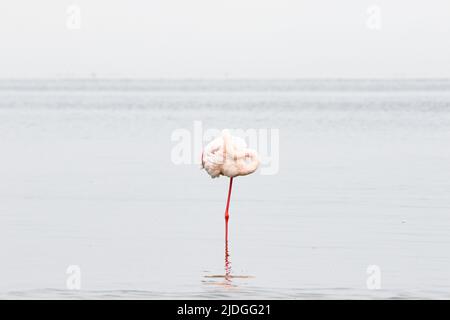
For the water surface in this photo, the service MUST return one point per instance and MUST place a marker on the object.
(87, 179)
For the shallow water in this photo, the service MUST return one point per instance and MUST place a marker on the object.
(88, 180)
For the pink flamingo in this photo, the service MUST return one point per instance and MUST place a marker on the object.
(229, 156)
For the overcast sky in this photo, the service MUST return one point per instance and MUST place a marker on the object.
(225, 38)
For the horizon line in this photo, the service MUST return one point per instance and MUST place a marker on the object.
(92, 78)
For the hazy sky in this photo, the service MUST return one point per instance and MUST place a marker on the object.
(225, 38)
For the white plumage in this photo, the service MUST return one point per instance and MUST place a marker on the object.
(229, 156)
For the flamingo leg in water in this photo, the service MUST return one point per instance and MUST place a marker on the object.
(227, 215)
(227, 263)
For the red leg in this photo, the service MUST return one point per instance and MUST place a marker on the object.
(227, 215)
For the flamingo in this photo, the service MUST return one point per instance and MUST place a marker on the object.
(229, 156)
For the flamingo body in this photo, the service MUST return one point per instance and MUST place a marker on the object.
(229, 156)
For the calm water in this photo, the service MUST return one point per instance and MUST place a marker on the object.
(87, 179)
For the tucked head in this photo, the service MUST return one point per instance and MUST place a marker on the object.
(229, 156)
